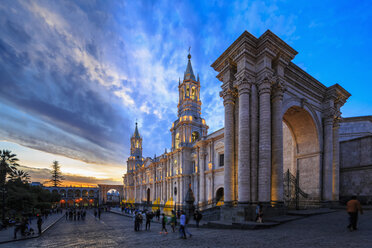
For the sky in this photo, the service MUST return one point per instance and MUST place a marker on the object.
(76, 75)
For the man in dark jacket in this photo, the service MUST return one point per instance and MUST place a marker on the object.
(352, 208)
(39, 223)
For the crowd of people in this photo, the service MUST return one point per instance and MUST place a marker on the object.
(23, 225)
(76, 214)
(141, 216)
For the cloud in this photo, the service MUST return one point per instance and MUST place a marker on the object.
(43, 175)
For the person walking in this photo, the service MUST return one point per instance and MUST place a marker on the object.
(99, 213)
(197, 217)
(173, 221)
(352, 208)
(66, 214)
(182, 225)
(39, 223)
(163, 224)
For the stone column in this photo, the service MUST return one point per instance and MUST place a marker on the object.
(228, 101)
(201, 173)
(244, 143)
(135, 188)
(277, 143)
(264, 170)
(336, 164)
(254, 143)
(327, 157)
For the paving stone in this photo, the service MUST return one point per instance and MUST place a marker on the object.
(113, 230)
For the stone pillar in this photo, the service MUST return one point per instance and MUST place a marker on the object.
(327, 157)
(228, 101)
(277, 144)
(336, 164)
(135, 188)
(202, 174)
(254, 143)
(264, 169)
(244, 143)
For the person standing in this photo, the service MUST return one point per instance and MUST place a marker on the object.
(352, 208)
(259, 213)
(99, 213)
(149, 216)
(39, 223)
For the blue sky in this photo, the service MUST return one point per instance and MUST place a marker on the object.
(75, 75)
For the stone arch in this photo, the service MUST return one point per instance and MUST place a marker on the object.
(63, 193)
(84, 193)
(55, 191)
(302, 149)
(104, 188)
(70, 193)
(297, 102)
(77, 193)
(91, 193)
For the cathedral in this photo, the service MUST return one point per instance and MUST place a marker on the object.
(284, 140)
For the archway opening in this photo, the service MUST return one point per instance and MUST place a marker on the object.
(113, 197)
(148, 196)
(301, 157)
(219, 195)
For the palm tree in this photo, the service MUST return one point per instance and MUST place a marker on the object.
(24, 177)
(8, 163)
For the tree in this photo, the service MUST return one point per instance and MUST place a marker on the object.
(20, 175)
(57, 177)
(8, 163)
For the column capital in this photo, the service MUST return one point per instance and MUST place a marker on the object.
(228, 94)
(264, 86)
(277, 88)
(243, 84)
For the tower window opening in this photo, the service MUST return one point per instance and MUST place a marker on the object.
(195, 136)
(193, 93)
(187, 91)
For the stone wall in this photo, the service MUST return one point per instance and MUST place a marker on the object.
(355, 127)
(356, 169)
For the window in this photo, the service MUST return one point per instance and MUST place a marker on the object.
(177, 141)
(222, 159)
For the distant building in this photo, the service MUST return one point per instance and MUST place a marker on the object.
(36, 184)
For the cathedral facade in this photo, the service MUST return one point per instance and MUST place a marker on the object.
(281, 135)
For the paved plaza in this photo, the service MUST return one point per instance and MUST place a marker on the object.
(328, 230)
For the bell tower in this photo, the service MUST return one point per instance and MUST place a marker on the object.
(189, 127)
(135, 160)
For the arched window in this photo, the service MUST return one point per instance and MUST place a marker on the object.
(137, 144)
(187, 91)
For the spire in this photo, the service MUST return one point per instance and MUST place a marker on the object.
(189, 74)
(136, 133)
